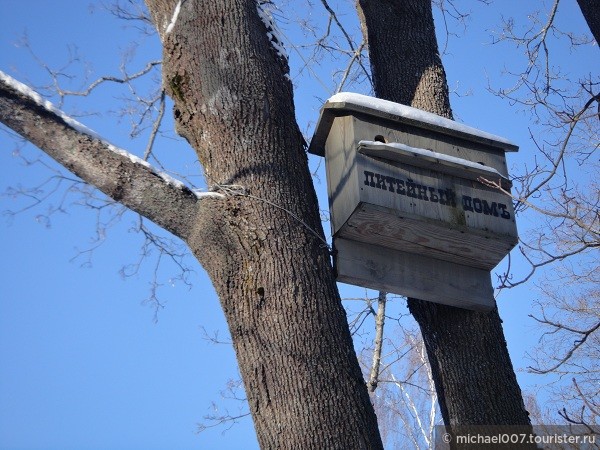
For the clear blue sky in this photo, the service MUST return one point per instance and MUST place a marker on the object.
(82, 363)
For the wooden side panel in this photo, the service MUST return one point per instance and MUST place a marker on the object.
(417, 210)
(439, 162)
(342, 175)
(431, 195)
(413, 275)
(384, 227)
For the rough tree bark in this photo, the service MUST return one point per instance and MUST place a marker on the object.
(271, 270)
(473, 374)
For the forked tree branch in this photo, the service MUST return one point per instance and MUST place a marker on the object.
(356, 52)
(583, 336)
(117, 173)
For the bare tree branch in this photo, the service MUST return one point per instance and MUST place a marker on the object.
(112, 170)
(585, 334)
(126, 79)
(356, 52)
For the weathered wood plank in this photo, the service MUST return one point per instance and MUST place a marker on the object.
(381, 226)
(434, 161)
(412, 275)
(432, 195)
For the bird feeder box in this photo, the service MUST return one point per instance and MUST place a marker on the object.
(412, 207)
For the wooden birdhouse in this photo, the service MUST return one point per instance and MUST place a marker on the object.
(411, 212)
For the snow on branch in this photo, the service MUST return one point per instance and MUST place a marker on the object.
(264, 8)
(120, 175)
(174, 18)
(38, 99)
(78, 126)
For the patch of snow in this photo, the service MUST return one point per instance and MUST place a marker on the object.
(409, 112)
(78, 126)
(174, 18)
(273, 32)
(203, 194)
(37, 98)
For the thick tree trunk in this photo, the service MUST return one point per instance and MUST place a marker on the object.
(264, 249)
(473, 374)
(404, 57)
